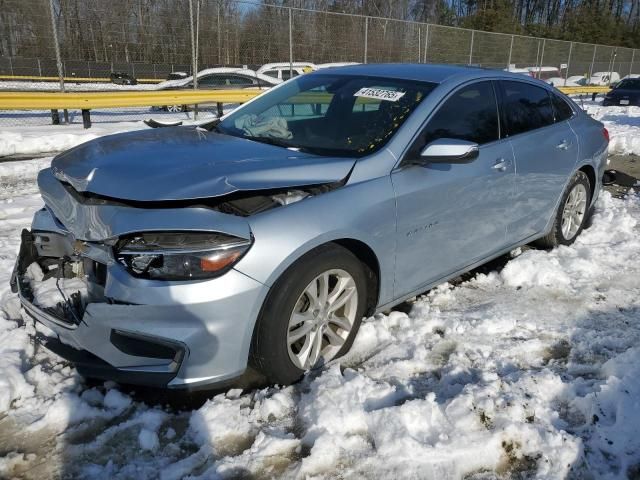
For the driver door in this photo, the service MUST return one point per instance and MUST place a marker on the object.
(450, 216)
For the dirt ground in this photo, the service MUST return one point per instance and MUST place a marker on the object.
(627, 168)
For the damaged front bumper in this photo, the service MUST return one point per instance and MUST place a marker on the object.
(184, 334)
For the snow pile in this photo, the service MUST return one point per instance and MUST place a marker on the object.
(55, 138)
(623, 124)
(20, 86)
(531, 371)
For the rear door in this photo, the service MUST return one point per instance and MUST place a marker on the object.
(545, 149)
(452, 215)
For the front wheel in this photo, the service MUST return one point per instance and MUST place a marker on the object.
(311, 316)
(572, 213)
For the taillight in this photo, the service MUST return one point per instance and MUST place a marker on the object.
(605, 133)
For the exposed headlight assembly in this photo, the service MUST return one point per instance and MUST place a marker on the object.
(179, 255)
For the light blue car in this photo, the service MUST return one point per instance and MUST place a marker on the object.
(183, 255)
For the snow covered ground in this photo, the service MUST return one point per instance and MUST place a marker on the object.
(17, 85)
(623, 124)
(528, 370)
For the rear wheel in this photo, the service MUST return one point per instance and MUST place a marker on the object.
(572, 214)
(311, 316)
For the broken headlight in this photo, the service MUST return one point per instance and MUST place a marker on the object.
(179, 255)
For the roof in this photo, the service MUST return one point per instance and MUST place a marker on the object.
(421, 72)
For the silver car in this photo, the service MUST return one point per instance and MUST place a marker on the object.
(182, 255)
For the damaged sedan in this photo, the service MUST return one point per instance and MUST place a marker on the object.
(178, 257)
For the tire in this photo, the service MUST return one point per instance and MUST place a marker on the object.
(563, 236)
(272, 352)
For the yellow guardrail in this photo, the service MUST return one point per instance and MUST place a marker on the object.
(87, 101)
(37, 78)
(91, 100)
(587, 89)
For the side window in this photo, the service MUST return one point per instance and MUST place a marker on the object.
(469, 114)
(239, 81)
(561, 109)
(525, 107)
(211, 81)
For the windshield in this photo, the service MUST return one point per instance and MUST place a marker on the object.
(334, 115)
(629, 84)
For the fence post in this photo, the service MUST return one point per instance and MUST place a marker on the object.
(366, 37)
(39, 68)
(510, 52)
(544, 40)
(633, 54)
(194, 51)
(89, 68)
(11, 66)
(566, 74)
(290, 45)
(426, 44)
(471, 47)
(593, 59)
(419, 45)
(56, 44)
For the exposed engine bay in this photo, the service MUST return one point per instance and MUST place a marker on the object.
(241, 203)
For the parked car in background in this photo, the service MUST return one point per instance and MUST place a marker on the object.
(122, 78)
(544, 73)
(185, 254)
(285, 70)
(604, 78)
(219, 79)
(522, 71)
(177, 75)
(573, 81)
(626, 92)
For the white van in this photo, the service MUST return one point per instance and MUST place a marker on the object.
(604, 78)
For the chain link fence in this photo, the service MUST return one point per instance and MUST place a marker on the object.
(149, 39)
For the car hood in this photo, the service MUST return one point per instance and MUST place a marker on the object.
(184, 163)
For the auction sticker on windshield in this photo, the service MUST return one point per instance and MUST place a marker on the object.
(380, 94)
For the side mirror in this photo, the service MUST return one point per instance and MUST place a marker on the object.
(449, 150)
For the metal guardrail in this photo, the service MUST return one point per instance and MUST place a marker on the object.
(91, 100)
(37, 78)
(86, 101)
(587, 89)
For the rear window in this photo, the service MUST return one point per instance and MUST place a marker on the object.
(630, 84)
(525, 107)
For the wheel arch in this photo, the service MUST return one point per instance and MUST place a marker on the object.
(368, 258)
(590, 172)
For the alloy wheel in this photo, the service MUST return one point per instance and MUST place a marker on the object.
(574, 211)
(322, 319)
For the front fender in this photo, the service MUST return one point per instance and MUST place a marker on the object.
(362, 211)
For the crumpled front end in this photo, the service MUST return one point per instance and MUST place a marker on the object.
(115, 324)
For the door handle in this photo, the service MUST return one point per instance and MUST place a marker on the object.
(563, 145)
(500, 165)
